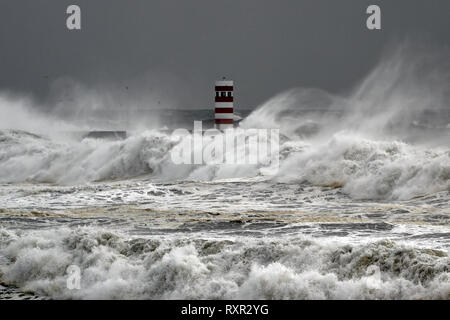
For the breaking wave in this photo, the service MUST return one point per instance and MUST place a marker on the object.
(115, 267)
(366, 169)
(369, 169)
(28, 157)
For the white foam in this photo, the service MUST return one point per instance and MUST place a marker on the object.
(370, 169)
(116, 267)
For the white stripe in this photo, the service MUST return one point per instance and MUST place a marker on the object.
(224, 116)
(224, 105)
(224, 83)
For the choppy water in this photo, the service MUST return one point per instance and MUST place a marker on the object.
(358, 207)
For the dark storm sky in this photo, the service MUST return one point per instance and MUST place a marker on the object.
(266, 46)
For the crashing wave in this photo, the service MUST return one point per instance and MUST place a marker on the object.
(114, 267)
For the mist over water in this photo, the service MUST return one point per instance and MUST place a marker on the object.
(407, 93)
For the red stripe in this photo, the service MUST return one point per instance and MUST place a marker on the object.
(224, 88)
(224, 110)
(223, 121)
(224, 99)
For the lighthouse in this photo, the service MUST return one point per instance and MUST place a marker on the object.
(223, 113)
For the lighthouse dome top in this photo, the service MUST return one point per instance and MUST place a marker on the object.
(224, 83)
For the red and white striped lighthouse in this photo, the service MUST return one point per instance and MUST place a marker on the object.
(223, 118)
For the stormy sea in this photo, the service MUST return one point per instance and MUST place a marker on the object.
(356, 205)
